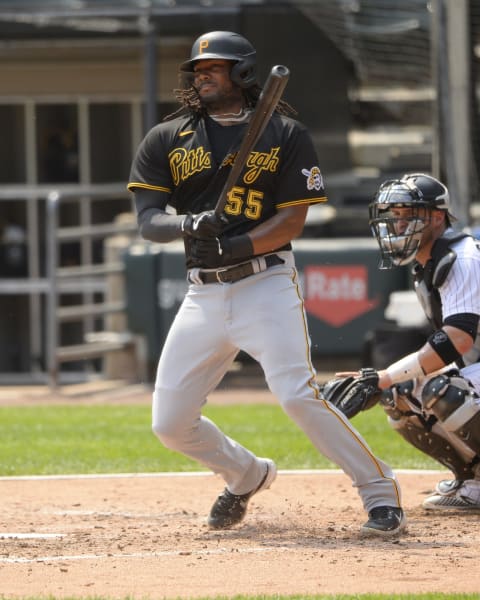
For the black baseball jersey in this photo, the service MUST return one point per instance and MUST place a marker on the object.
(176, 159)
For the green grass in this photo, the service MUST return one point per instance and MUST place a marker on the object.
(65, 439)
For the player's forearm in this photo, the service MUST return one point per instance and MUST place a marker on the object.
(443, 347)
(281, 229)
(157, 226)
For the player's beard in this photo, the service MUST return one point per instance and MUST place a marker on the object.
(219, 99)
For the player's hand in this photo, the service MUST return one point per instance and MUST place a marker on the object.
(205, 225)
(207, 253)
(212, 253)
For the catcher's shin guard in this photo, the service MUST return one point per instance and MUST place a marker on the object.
(453, 401)
(430, 442)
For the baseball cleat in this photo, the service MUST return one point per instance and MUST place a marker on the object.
(230, 509)
(465, 497)
(384, 521)
(456, 502)
(448, 487)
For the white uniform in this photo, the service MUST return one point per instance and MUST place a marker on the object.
(459, 294)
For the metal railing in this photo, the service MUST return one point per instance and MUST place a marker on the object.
(46, 286)
(96, 344)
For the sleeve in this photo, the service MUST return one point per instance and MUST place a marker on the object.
(461, 291)
(150, 168)
(301, 181)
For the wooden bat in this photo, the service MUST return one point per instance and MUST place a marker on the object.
(267, 102)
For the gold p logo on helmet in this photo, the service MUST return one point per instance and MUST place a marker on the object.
(203, 46)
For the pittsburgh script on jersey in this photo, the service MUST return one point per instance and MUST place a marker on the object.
(184, 163)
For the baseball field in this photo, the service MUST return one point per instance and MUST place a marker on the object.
(93, 507)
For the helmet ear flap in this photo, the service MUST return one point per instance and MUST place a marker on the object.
(244, 72)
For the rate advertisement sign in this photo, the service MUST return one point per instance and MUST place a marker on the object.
(345, 293)
(338, 294)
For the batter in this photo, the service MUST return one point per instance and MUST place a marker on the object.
(244, 292)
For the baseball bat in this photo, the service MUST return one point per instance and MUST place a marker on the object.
(267, 102)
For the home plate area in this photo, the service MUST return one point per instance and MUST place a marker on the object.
(146, 536)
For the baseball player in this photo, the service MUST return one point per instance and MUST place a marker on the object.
(244, 291)
(431, 396)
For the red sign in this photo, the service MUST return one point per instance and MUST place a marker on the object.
(337, 294)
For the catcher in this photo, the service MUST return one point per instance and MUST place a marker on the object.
(432, 396)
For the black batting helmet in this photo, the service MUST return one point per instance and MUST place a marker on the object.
(226, 45)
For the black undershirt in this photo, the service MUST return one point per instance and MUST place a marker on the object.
(222, 137)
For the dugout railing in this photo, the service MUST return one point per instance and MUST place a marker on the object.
(48, 281)
(95, 343)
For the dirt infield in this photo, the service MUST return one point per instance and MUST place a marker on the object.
(145, 536)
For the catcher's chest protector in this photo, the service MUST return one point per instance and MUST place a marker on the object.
(428, 279)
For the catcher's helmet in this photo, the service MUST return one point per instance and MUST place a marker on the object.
(226, 45)
(417, 191)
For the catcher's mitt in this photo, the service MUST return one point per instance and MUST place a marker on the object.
(353, 394)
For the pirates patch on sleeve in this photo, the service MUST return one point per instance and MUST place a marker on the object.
(314, 178)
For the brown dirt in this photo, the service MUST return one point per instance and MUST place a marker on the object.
(145, 536)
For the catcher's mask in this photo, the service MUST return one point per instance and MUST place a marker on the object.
(399, 235)
(226, 45)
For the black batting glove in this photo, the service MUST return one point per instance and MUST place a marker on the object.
(207, 224)
(213, 253)
(206, 253)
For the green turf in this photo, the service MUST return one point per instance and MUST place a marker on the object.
(118, 439)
